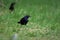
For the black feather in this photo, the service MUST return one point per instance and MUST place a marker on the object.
(24, 20)
(11, 8)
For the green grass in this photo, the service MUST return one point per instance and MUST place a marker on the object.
(44, 23)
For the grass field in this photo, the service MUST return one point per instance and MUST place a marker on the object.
(44, 23)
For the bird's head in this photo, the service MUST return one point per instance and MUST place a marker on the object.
(13, 3)
(26, 17)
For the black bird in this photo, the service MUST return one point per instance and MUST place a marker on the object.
(11, 8)
(24, 20)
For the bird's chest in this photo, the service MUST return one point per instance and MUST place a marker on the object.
(23, 21)
(11, 7)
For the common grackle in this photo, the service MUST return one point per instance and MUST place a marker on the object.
(11, 8)
(24, 20)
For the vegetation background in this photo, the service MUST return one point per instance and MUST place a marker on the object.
(44, 23)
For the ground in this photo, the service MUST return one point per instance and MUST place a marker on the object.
(44, 23)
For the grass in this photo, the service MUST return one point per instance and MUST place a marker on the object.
(44, 23)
